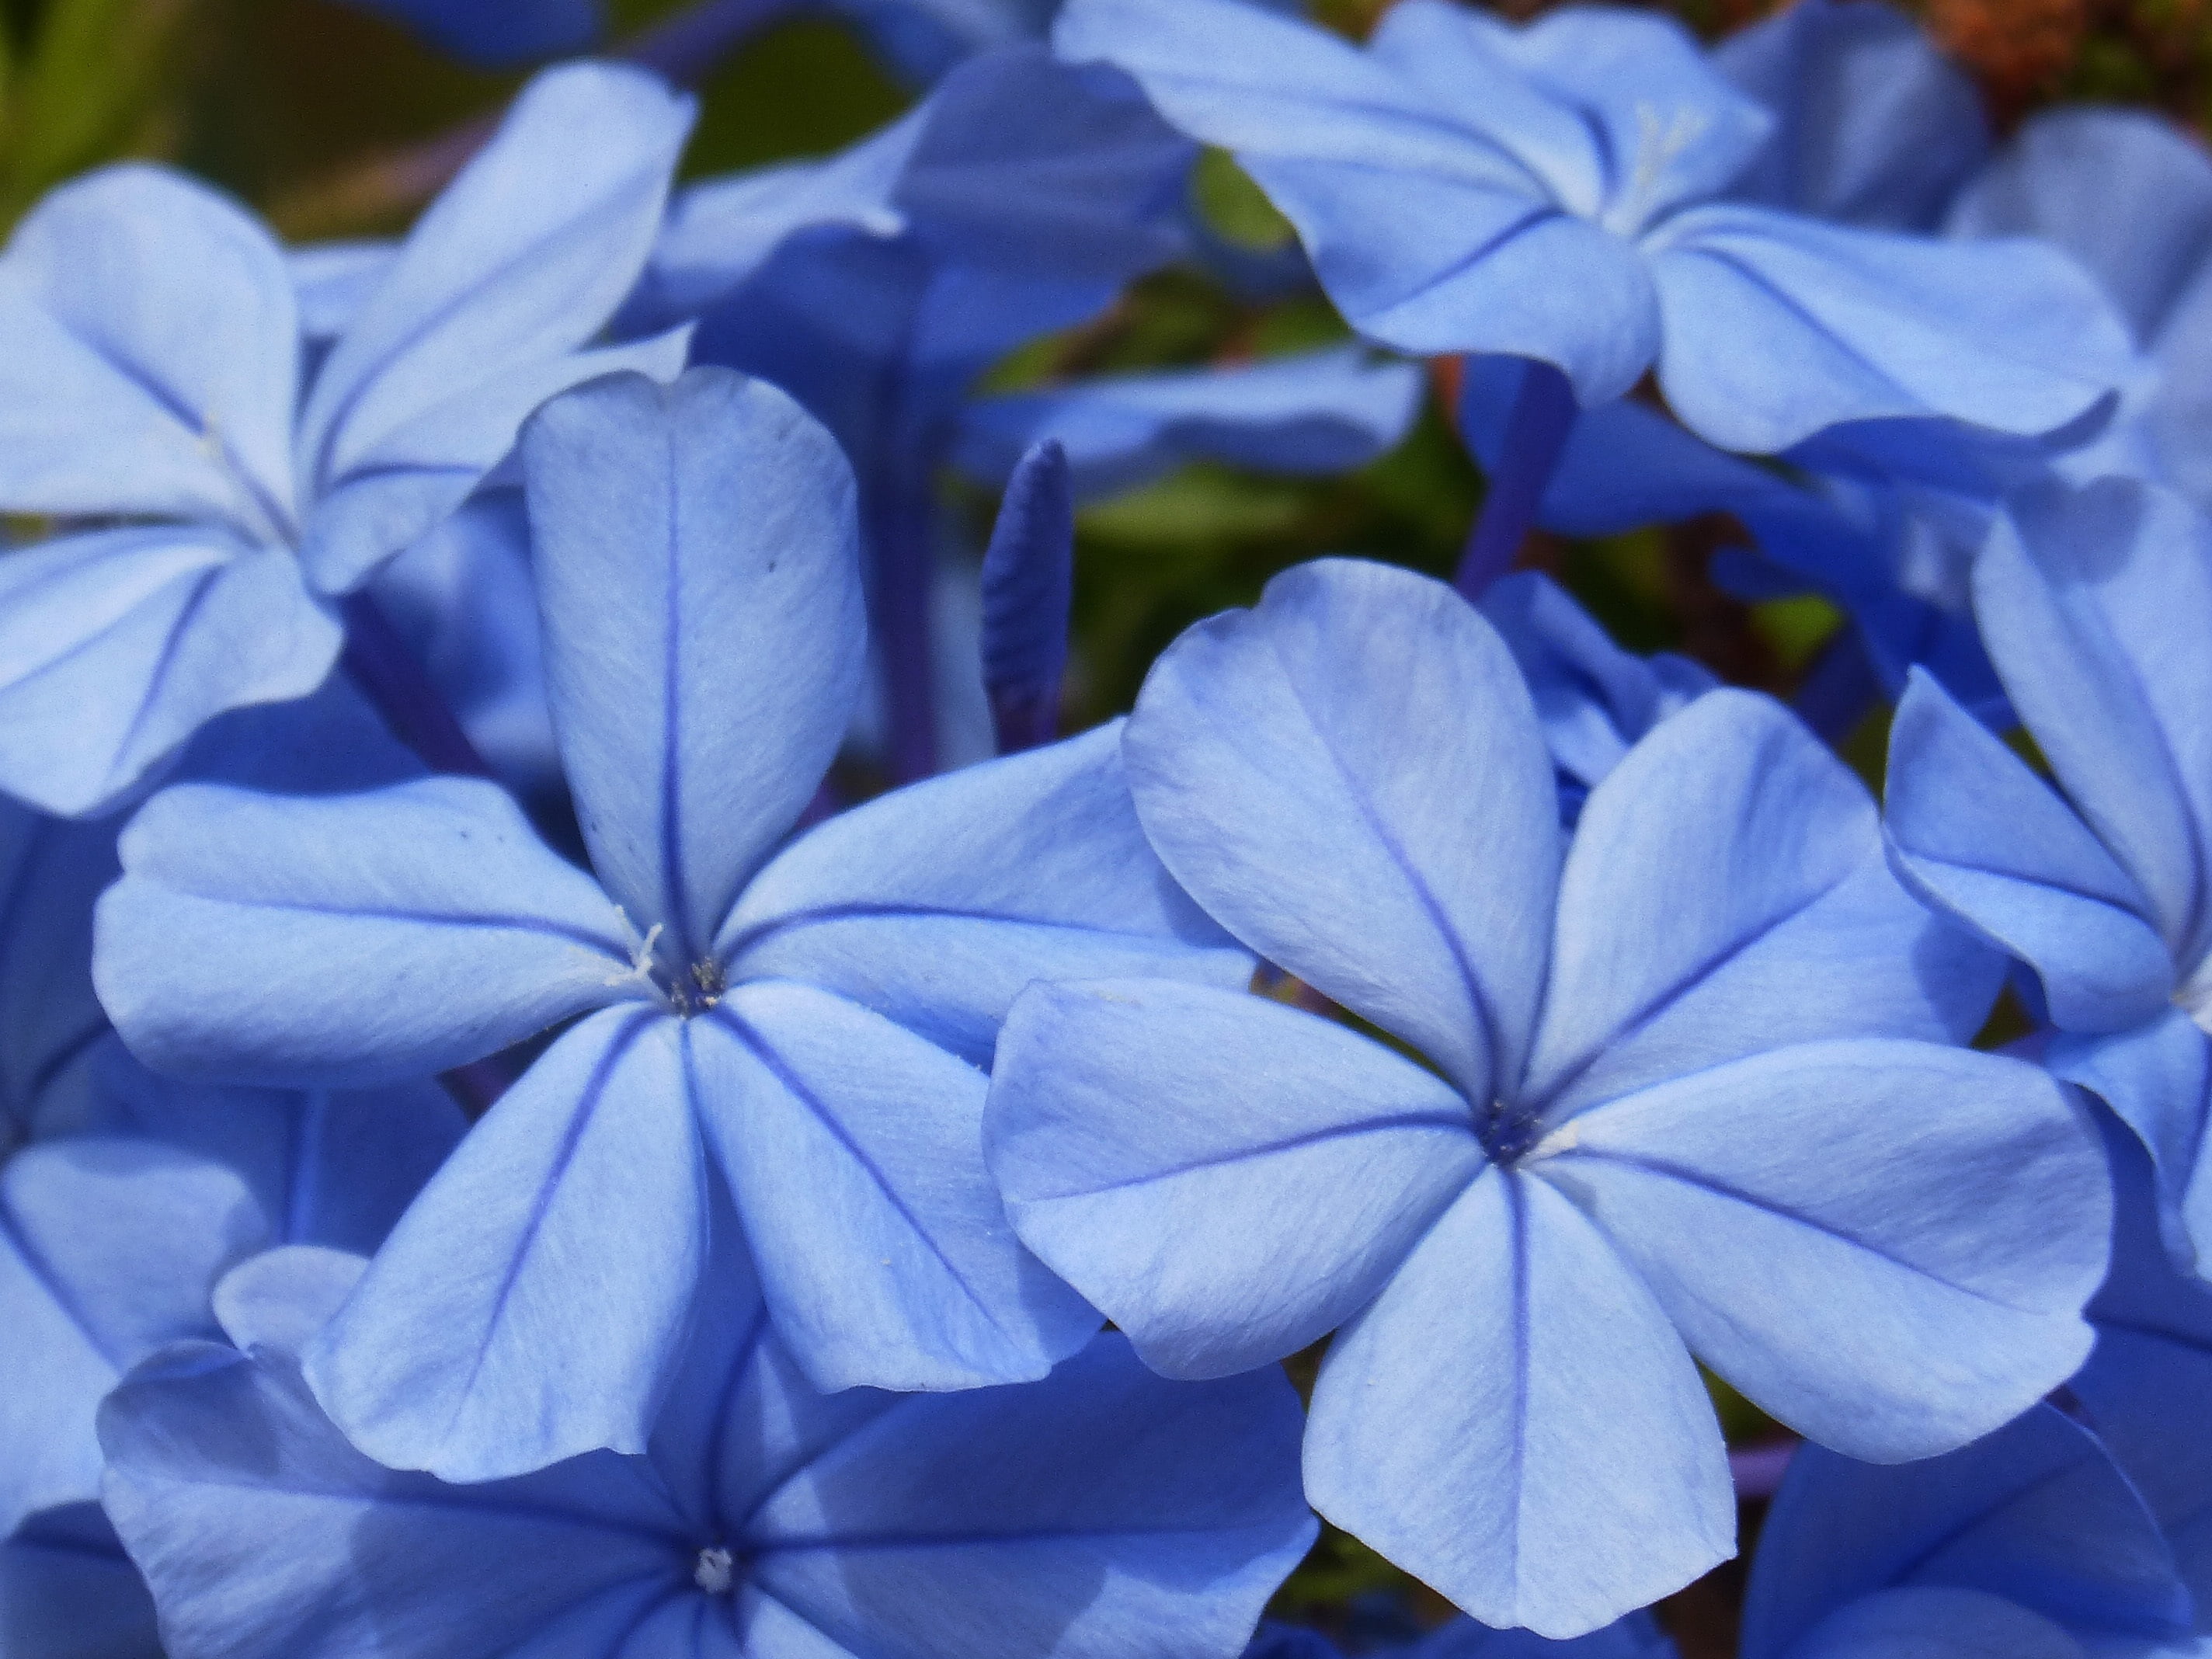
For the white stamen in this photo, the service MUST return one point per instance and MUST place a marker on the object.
(714, 1571)
(1565, 1139)
(641, 959)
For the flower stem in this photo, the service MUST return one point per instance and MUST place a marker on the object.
(388, 675)
(1536, 431)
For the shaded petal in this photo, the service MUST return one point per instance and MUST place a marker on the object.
(696, 551)
(1726, 894)
(2157, 1079)
(1912, 1623)
(424, 471)
(1514, 1422)
(1366, 722)
(1978, 836)
(1226, 1179)
(937, 903)
(2036, 1514)
(82, 1304)
(530, 1305)
(525, 256)
(1778, 326)
(264, 1536)
(1888, 1279)
(281, 1298)
(410, 929)
(117, 647)
(2082, 596)
(67, 1595)
(1086, 1515)
(497, 35)
(1873, 125)
(152, 355)
(51, 872)
(1635, 1636)
(1318, 412)
(854, 1151)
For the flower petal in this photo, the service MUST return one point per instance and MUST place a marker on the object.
(697, 559)
(1226, 1179)
(1364, 722)
(2157, 1078)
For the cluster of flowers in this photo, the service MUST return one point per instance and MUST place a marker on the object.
(501, 1158)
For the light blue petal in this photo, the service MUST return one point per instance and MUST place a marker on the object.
(1776, 327)
(426, 468)
(266, 1536)
(2036, 1514)
(1515, 1423)
(152, 355)
(1873, 125)
(1226, 1179)
(530, 1305)
(108, 1249)
(2123, 190)
(1726, 894)
(854, 1151)
(2157, 1079)
(410, 929)
(117, 647)
(1594, 699)
(1887, 1245)
(1364, 722)
(1924, 1620)
(937, 903)
(2080, 596)
(1099, 1512)
(331, 282)
(1318, 412)
(920, 40)
(64, 1594)
(698, 568)
(524, 258)
(1977, 835)
(281, 1298)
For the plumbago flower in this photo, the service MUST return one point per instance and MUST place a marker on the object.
(2088, 602)
(1556, 192)
(153, 368)
(804, 1023)
(1095, 1513)
(1691, 1091)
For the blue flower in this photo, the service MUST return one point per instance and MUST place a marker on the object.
(1096, 1512)
(154, 370)
(1684, 1070)
(1638, 1636)
(2030, 1543)
(808, 1021)
(2087, 602)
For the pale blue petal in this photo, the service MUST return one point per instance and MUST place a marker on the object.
(1226, 1179)
(1363, 722)
(281, 1298)
(698, 567)
(67, 1591)
(524, 257)
(117, 647)
(1726, 893)
(2157, 1079)
(1873, 125)
(1100, 1512)
(2081, 597)
(854, 1151)
(2035, 1513)
(152, 355)
(83, 1303)
(425, 469)
(530, 1305)
(410, 930)
(1977, 835)
(1319, 412)
(1776, 327)
(1515, 1423)
(1887, 1245)
(332, 280)
(937, 903)
(2123, 191)
(266, 1536)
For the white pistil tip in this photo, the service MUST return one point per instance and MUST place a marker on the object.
(1565, 1139)
(712, 1572)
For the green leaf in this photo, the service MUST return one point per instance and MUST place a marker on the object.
(95, 86)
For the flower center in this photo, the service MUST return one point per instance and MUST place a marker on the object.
(716, 1570)
(1507, 1132)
